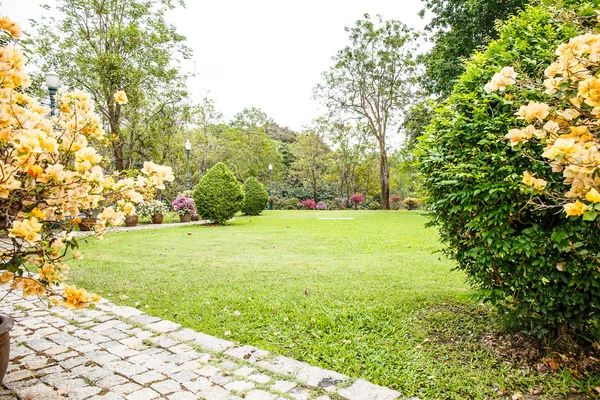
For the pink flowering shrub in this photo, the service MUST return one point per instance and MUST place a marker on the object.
(309, 204)
(356, 199)
(321, 205)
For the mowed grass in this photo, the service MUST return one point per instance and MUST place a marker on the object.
(367, 296)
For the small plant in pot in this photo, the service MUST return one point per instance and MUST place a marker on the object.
(131, 220)
(185, 207)
(153, 209)
(87, 220)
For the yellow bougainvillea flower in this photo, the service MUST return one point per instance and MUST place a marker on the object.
(536, 183)
(575, 209)
(121, 97)
(6, 276)
(593, 196)
(589, 90)
(39, 214)
(28, 229)
(533, 110)
(11, 27)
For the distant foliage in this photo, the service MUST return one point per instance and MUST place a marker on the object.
(309, 204)
(291, 204)
(218, 196)
(255, 197)
(336, 204)
(411, 203)
(395, 202)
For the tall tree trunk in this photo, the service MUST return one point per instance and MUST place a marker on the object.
(384, 178)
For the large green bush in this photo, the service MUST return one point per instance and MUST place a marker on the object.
(255, 197)
(218, 195)
(532, 262)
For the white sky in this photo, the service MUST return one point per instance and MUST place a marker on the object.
(261, 53)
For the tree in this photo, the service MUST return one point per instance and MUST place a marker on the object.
(107, 45)
(207, 118)
(371, 81)
(458, 28)
(311, 159)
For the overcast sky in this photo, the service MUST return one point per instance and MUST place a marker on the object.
(261, 53)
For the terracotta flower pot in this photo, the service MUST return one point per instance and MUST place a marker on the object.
(131, 220)
(6, 325)
(195, 217)
(157, 219)
(185, 217)
(87, 224)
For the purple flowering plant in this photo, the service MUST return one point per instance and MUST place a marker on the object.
(184, 205)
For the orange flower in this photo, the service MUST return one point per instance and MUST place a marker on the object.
(36, 171)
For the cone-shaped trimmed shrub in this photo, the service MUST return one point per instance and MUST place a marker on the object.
(218, 196)
(256, 197)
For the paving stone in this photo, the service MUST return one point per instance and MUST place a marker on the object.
(282, 365)
(125, 312)
(363, 390)
(260, 395)
(163, 326)
(283, 386)
(183, 376)
(212, 343)
(126, 368)
(318, 377)
(144, 319)
(248, 353)
(182, 396)
(17, 376)
(244, 371)
(185, 335)
(228, 365)
(299, 394)
(166, 387)
(239, 386)
(36, 391)
(147, 377)
(144, 394)
(111, 381)
(207, 371)
(83, 392)
(39, 345)
(126, 388)
(260, 378)
(181, 349)
(199, 384)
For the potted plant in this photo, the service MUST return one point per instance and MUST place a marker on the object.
(131, 220)
(185, 207)
(88, 219)
(154, 209)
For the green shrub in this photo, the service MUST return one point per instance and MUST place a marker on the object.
(218, 196)
(255, 197)
(291, 204)
(532, 262)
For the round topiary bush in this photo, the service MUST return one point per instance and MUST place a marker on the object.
(531, 261)
(255, 197)
(218, 195)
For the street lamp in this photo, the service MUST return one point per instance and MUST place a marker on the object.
(52, 82)
(188, 148)
(270, 185)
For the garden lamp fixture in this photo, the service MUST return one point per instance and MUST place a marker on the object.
(52, 82)
(188, 148)
(270, 185)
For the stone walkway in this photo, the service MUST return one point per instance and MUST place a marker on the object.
(116, 352)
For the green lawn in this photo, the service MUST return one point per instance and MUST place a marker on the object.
(368, 297)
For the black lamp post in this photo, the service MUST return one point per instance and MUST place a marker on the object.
(270, 185)
(188, 148)
(52, 82)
